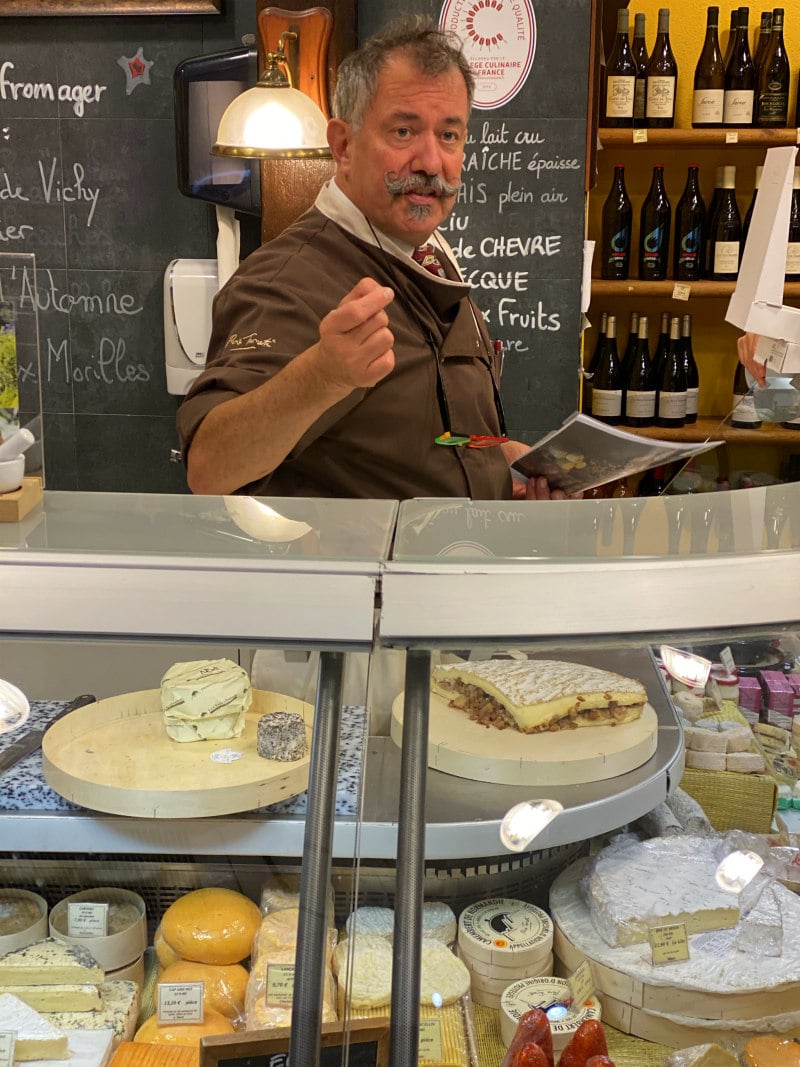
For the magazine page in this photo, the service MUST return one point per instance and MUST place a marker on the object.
(584, 453)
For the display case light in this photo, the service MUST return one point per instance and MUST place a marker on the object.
(523, 823)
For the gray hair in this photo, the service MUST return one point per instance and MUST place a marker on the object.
(432, 51)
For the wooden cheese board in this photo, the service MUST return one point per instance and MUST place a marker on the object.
(115, 756)
(463, 748)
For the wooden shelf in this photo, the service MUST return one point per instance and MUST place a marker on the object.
(746, 138)
(710, 429)
(663, 290)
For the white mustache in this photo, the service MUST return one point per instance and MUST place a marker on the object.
(417, 183)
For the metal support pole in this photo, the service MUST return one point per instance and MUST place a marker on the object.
(409, 884)
(315, 873)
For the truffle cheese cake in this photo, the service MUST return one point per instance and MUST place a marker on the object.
(537, 696)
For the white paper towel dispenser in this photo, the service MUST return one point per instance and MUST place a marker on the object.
(189, 289)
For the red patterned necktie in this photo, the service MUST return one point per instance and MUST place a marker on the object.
(427, 258)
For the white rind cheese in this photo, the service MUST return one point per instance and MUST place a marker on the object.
(537, 695)
(205, 700)
(634, 886)
(119, 1013)
(58, 997)
(49, 962)
(37, 1037)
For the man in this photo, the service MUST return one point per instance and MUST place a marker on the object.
(336, 360)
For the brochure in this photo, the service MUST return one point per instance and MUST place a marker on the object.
(585, 452)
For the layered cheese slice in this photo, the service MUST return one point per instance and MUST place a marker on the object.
(535, 696)
(49, 962)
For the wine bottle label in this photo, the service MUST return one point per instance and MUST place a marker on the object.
(738, 108)
(793, 258)
(707, 105)
(744, 409)
(672, 405)
(689, 255)
(640, 98)
(606, 402)
(620, 93)
(726, 257)
(639, 405)
(691, 400)
(660, 97)
(774, 104)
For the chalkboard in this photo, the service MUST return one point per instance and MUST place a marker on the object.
(88, 187)
(518, 225)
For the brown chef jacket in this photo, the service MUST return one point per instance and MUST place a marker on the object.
(377, 442)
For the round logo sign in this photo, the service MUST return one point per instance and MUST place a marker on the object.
(499, 39)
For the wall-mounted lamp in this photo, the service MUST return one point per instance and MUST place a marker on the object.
(273, 120)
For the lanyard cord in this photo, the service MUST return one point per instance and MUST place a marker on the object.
(485, 359)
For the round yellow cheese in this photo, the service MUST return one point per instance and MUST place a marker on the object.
(224, 987)
(164, 953)
(211, 926)
(151, 1033)
(771, 1051)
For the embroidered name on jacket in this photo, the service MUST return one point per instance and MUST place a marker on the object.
(249, 342)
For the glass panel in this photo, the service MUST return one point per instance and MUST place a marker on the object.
(742, 521)
(233, 527)
(20, 366)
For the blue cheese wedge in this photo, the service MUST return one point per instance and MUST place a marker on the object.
(49, 962)
(205, 700)
(58, 997)
(535, 696)
(119, 1013)
(37, 1037)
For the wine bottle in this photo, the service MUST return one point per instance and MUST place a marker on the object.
(740, 77)
(630, 344)
(617, 229)
(640, 382)
(793, 248)
(620, 83)
(772, 93)
(654, 227)
(653, 482)
(588, 374)
(743, 410)
(641, 59)
(731, 36)
(662, 78)
(660, 354)
(749, 213)
(726, 233)
(763, 39)
(671, 399)
(607, 382)
(690, 367)
(690, 215)
(711, 216)
(709, 78)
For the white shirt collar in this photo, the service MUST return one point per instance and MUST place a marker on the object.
(339, 208)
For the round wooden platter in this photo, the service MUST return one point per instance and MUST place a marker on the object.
(115, 756)
(463, 748)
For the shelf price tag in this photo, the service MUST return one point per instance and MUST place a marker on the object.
(732, 137)
(581, 983)
(640, 136)
(87, 920)
(8, 1039)
(180, 1002)
(430, 1040)
(280, 983)
(681, 292)
(669, 944)
(798, 135)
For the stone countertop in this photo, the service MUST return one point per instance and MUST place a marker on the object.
(23, 786)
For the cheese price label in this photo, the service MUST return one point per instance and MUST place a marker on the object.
(581, 983)
(430, 1040)
(280, 983)
(87, 920)
(669, 943)
(179, 1002)
(8, 1038)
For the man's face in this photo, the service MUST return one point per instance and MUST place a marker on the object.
(413, 134)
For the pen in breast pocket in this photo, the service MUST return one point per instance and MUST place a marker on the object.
(499, 356)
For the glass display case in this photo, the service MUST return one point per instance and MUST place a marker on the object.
(600, 583)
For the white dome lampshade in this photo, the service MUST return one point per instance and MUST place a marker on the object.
(272, 121)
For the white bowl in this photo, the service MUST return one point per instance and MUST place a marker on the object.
(11, 474)
(23, 918)
(116, 949)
